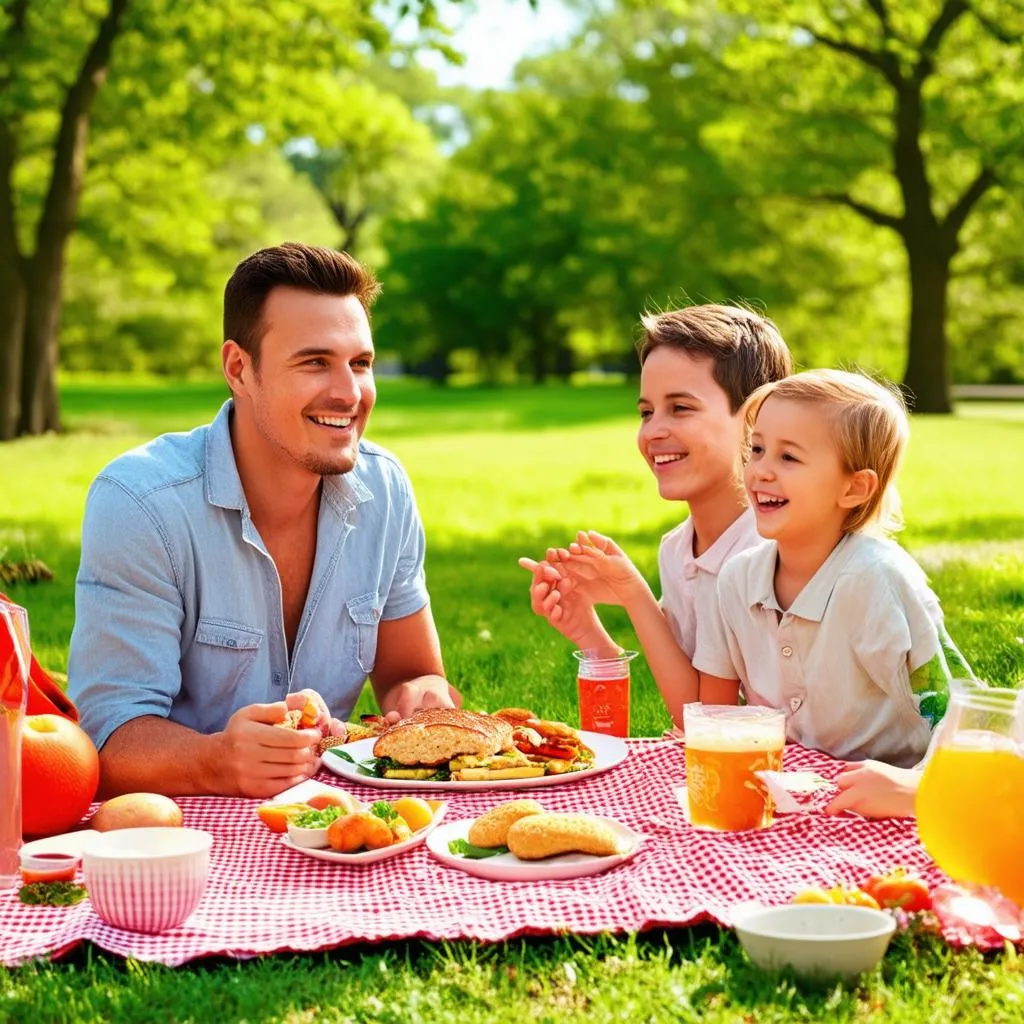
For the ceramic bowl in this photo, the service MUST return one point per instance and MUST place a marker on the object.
(823, 940)
(147, 879)
(309, 838)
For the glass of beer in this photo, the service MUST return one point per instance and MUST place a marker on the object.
(970, 806)
(603, 685)
(725, 745)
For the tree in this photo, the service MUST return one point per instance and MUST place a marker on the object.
(201, 74)
(908, 115)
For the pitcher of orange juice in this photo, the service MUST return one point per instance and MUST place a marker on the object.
(14, 672)
(970, 804)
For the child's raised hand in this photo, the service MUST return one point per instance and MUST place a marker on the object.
(600, 567)
(875, 790)
(556, 597)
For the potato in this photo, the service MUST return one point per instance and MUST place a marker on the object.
(137, 810)
(354, 831)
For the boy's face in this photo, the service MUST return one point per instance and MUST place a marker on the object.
(688, 434)
(795, 478)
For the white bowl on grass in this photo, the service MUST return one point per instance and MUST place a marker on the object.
(815, 940)
(146, 879)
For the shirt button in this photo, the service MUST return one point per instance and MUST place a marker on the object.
(787, 651)
(278, 678)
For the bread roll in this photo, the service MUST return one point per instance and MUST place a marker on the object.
(491, 828)
(547, 835)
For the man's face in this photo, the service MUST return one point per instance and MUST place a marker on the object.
(688, 434)
(311, 394)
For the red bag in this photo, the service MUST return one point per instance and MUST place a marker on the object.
(45, 697)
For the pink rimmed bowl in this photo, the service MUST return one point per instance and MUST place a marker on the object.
(147, 879)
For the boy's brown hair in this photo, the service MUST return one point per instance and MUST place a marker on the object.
(746, 348)
(311, 268)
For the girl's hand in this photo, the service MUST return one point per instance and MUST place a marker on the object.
(599, 567)
(875, 790)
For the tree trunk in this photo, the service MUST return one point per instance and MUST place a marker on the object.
(12, 294)
(927, 374)
(44, 273)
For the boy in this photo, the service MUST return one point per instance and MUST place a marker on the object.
(698, 365)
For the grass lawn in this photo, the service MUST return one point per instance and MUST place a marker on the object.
(500, 473)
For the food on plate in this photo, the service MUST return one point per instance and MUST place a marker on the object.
(334, 798)
(373, 829)
(546, 835)
(137, 810)
(792, 792)
(491, 828)
(900, 888)
(277, 816)
(367, 726)
(416, 813)
(465, 746)
(305, 717)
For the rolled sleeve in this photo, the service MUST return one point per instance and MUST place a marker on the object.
(408, 591)
(125, 647)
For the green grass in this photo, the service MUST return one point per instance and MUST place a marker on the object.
(500, 473)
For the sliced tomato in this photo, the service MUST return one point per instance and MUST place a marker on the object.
(900, 888)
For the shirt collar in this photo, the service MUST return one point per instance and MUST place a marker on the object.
(712, 560)
(811, 602)
(224, 486)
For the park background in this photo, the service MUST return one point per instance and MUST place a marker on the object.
(853, 168)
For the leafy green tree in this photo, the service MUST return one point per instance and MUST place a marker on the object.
(183, 78)
(909, 115)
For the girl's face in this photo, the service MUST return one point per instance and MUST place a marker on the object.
(794, 476)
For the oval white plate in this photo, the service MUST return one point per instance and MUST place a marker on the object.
(507, 867)
(608, 752)
(369, 856)
(73, 843)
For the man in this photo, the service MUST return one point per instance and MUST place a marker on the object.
(230, 573)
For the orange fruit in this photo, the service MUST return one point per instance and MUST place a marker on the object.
(60, 771)
(277, 816)
(416, 813)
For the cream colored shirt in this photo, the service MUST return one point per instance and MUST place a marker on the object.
(845, 659)
(688, 584)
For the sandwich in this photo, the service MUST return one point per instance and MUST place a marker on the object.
(554, 744)
(438, 744)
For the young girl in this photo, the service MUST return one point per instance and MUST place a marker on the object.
(830, 620)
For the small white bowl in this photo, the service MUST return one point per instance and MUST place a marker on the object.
(815, 939)
(309, 838)
(146, 879)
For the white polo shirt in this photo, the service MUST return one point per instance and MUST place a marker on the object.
(844, 661)
(688, 584)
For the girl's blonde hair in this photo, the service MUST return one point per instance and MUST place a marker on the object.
(868, 420)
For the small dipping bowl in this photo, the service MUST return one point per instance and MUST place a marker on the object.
(49, 867)
(310, 838)
(815, 940)
(147, 879)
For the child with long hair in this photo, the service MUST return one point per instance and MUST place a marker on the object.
(830, 620)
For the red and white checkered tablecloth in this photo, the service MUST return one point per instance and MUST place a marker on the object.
(264, 898)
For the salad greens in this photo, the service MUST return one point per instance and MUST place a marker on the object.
(52, 894)
(464, 848)
(318, 819)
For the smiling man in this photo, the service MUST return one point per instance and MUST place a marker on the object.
(233, 573)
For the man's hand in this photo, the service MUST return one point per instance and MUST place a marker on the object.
(255, 759)
(876, 790)
(416, 695)
(555, 596)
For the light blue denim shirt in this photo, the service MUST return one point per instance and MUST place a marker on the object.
(178, 603)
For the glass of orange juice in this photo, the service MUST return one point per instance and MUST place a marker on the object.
(725, 745)
(970, 806)
(603, 685)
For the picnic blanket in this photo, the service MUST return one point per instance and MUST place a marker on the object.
(265, 898)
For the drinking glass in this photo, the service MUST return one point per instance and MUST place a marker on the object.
(725, 746)
(970, 807)
(603, 687)
(14, 672)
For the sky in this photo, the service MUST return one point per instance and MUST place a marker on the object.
(494, 34)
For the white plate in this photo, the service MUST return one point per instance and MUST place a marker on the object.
(608, 752)
(507, 867)
(369, 856)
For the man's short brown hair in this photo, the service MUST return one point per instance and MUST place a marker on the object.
(312, 268)
(746, 348)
